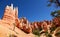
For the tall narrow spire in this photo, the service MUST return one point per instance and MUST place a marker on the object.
(16, 12)
(7, 7)
(12, 6)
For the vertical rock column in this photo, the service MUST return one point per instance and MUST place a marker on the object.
(9, 14)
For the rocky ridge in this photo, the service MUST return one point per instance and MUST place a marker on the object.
(21, 27)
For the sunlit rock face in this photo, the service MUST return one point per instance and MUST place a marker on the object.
(10, 16)
(34, 25)
(10, 19)
(24, 25)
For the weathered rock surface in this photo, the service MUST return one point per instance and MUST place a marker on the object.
(7, 26)
(10, 24)
(5, 32)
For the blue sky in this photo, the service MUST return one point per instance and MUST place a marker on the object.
(33, 10)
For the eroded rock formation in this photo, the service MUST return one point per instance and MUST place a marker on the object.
(11, 20)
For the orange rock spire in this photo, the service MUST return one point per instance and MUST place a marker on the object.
(10, 15)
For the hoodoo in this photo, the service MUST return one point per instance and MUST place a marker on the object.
(21, 27)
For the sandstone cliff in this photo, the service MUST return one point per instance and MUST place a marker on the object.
(12, 26)
(7, 26)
